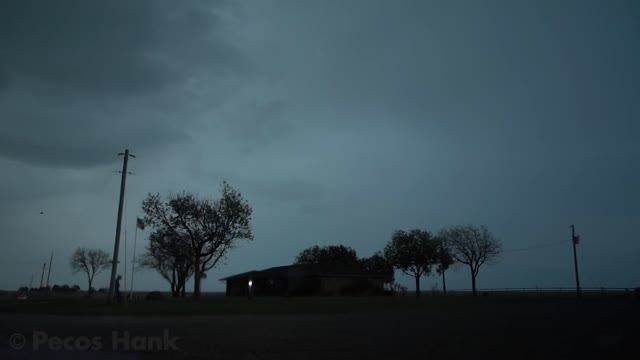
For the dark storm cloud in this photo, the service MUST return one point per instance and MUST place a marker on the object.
(82, 78)
(104, 47)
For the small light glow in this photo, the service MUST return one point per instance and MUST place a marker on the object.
(250, 282)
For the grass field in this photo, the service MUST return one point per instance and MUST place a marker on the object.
(219, 305)
(432, 327)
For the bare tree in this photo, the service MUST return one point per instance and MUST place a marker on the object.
(210, 227)
(412, 252)
(91, 262)
(473, 246)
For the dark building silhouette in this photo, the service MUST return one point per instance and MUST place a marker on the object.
(311, 279)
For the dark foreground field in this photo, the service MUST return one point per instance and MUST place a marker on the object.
(324, 328)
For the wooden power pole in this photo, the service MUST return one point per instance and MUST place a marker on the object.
(116, 246)
(575, 240)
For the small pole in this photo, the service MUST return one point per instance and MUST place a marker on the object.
(133, 260)
(42, 277)
(574, 241)
(125, 264)
(49, 273)
(31, 282)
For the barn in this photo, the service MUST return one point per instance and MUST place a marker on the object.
(308, 279)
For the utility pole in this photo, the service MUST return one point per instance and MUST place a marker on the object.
(42, 277)
(116, 246)
(49, 273)
(575, 239)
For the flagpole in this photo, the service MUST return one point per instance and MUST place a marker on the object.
(125, 263)
(133, 261)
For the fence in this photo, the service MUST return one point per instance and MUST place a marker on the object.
(600, 291)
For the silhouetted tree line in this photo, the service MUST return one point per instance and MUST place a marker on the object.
(340, 255)
(417, 253)
(54, 288)
(192, 235)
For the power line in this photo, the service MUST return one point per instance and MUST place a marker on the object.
(538, 246)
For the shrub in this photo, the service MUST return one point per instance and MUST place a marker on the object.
(154, 296)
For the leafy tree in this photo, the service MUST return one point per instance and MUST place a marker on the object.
(378, 264)
(210, 227)
(90, 262)
(444, 260)
(169, 255)
(412, 252)
(473, 246)
(331, 254)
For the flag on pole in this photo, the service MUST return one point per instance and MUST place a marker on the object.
(140, 223)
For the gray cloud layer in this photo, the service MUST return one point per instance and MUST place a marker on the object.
(341, 121)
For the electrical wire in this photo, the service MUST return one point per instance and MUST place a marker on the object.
(539, 246)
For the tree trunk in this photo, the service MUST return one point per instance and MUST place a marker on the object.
(181, 285)
(473, 282)
(417, 286)
(90, 288)
(184, 286)
(196, 280)
(444, 284)
(174, 284)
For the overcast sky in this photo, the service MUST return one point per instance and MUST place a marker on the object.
(339, 120)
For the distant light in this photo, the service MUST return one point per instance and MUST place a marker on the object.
(250, 282)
